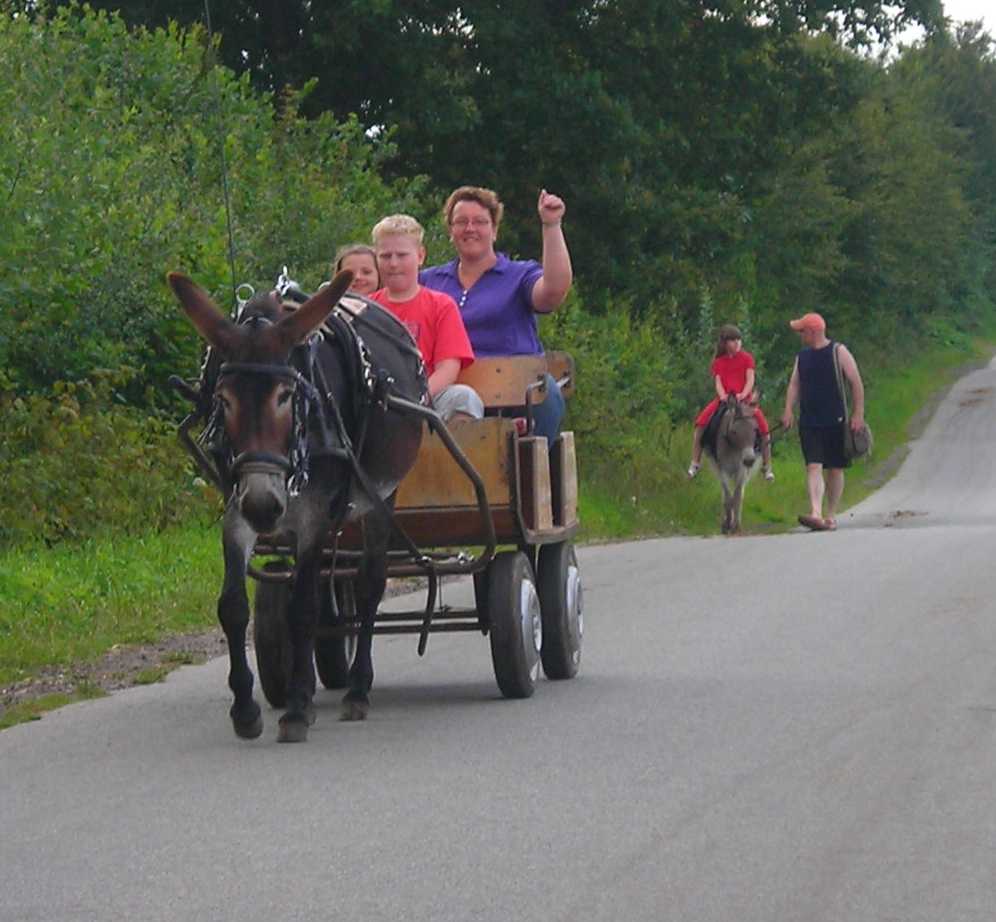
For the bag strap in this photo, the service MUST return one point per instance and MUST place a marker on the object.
(840, 382)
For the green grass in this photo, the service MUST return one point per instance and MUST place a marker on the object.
(73, 602)
(654, 496)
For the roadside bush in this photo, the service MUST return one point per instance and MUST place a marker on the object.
(620, 411)
(74, 464)
(112, 174)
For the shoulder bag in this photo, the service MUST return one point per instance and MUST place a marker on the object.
(856, 444)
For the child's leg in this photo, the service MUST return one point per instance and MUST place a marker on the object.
(696, 463)
(697, 444)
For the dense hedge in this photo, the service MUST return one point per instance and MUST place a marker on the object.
(75, 464)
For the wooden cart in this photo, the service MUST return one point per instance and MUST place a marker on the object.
(482, 499)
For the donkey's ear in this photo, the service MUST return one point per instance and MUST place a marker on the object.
(213, 326)
(311, 315)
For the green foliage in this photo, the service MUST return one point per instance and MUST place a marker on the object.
(619, 413)
(112, 173)
(75, 464)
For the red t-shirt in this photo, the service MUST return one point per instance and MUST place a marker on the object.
(732, 370)
(434, 321)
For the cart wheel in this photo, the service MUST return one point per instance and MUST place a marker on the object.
(562, 604)
(269, 632)
(334, 655)
(516, 624)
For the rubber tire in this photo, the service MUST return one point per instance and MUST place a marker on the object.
(269, 631)
(514, 651)
(562, 628)
(334, 655)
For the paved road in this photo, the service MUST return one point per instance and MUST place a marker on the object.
(797, 727)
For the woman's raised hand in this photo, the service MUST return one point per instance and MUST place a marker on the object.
(551, 208)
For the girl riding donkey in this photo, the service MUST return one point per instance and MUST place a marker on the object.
(733, 374)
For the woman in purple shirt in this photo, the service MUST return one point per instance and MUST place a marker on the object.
(499, 297)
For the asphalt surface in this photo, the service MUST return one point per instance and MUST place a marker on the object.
(797, 727)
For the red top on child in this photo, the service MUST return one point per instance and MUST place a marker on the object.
(731, 369)
(434, 321)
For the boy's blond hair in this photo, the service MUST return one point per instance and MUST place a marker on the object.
(398, 224)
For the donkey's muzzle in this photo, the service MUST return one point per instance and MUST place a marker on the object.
(261, 493)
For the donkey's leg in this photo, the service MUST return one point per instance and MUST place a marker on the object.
(727, 523)
(302, 619)
(233, 613)
(369, 591)
(737, 505)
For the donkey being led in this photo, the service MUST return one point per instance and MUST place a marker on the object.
(732, 449)
(305, 437)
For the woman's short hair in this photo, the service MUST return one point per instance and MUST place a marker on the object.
(398, 224)
(348, 250)
(486, 198)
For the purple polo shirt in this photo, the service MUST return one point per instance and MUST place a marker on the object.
(497, 309)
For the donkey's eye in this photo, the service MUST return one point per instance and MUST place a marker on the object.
(284, 396)
(225, 405)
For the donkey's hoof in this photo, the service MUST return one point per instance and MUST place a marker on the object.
(293, 729)
(355, 707)
(248, 724)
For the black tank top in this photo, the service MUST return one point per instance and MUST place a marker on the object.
(820, 403)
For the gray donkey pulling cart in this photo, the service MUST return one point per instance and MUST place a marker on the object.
(477, 484)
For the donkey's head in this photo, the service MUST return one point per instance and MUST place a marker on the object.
(257, 387)
(737, 433)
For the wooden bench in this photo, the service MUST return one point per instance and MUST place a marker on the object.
(504, 381)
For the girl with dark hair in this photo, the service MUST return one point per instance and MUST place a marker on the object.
(733, 373)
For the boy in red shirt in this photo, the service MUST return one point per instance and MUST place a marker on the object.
(733, 372)
(432, 317)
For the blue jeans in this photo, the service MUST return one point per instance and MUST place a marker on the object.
(548, 415)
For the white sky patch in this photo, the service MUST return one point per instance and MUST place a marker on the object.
(964, 10)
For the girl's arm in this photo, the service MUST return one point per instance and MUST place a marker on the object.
(748, 385)
(720, 390)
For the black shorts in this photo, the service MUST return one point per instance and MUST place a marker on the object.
(824, 446)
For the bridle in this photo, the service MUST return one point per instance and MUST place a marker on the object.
(293, 465)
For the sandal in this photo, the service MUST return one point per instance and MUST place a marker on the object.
(830, 523)
(814, 522)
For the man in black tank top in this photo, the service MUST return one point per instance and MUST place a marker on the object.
(821, 416)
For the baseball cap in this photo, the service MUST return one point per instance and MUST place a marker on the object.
(809, 322)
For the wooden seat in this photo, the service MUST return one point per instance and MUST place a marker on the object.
(503, 381)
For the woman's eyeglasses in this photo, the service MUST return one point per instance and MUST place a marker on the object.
(470, 222)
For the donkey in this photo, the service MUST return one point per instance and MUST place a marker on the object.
(733, 454)
(303, 453)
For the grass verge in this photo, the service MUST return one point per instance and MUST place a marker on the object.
(72, 603)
